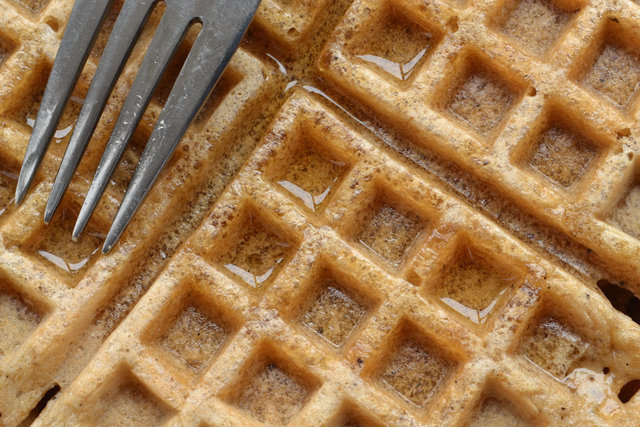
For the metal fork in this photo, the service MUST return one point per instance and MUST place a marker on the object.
(223, 24)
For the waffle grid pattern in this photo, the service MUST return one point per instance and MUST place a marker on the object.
(66, 284)
(478, 360)
(290, 303)
(530, 87)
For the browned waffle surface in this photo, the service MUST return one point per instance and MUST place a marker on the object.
(387, 213)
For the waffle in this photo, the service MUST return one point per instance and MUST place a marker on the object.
(387, 213)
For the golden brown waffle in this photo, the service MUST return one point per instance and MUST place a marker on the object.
(388, 213)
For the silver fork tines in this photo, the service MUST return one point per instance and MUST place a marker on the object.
(223, 24)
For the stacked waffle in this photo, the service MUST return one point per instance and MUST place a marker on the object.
(387, 213)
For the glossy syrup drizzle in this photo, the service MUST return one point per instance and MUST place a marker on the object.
(257, 254)
(57, 248)
(311, 177)
(473, 286)
(8, 181)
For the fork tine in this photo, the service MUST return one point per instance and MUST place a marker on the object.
(215, 45)
(130, 21)
(165, 42)
(82, 29)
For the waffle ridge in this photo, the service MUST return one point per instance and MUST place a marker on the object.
(296, 264)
